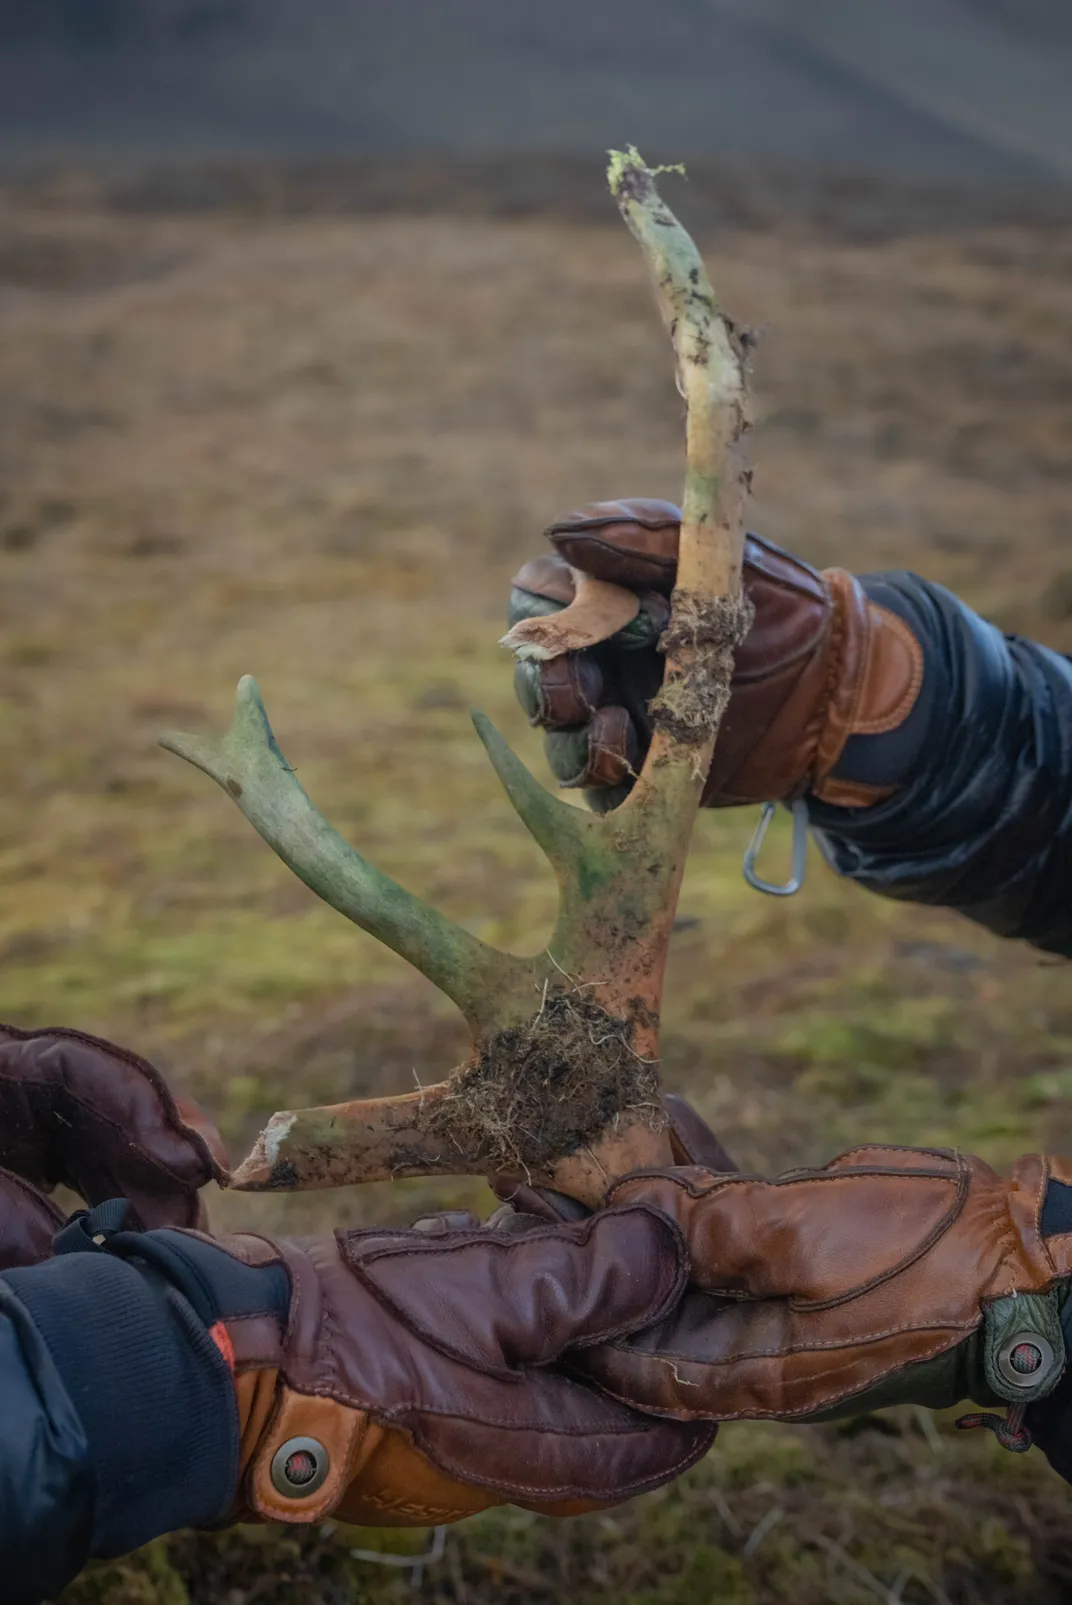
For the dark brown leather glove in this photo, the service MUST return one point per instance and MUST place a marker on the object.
(894, 1275)
(820, 664)
(412, 1377)
(79, 1112)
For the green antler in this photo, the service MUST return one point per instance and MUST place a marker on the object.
(249, 765)
(562, 1081)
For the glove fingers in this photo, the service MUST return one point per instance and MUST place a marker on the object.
(445, 1221)
(541, 1203)
(719, 1359)
(604, 752)
(811, 1236)
(499, 1302)
(555, 1439)
(80, 1111)
(632, 542)
(541, 586)
(532, 1473)
(566, 752)
(560, 692)
(592, 704)
(28, 1223)
(613, 748)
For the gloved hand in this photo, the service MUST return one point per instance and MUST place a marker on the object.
(79, 1112)
(821, 663)
(390, 1377)
(412, 1377)
(893, 1275)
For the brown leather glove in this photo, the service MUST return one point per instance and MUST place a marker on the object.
(397, 1377)
(894, 1275)
(79, 1112)
(821, 663)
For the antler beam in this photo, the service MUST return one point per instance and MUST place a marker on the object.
(562, 1081)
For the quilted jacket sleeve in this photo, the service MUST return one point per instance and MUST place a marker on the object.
(981, 821)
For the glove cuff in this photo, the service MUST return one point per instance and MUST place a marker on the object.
(876, 672)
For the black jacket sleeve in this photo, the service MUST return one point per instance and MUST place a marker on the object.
(981, 820)
(118, 1418)
(46, 1487)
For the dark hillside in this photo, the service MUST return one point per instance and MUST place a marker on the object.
(950, 89)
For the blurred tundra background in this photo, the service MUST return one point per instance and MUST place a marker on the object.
(312, 318)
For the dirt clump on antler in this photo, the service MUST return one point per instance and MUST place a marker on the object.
(540, 1092)
(691, 704)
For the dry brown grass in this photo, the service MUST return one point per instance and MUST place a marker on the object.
(315, 449)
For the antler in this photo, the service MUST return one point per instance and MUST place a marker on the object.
(562, 1080)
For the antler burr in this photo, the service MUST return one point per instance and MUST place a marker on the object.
(562, 1081)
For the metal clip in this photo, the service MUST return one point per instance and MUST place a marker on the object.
(800, 852)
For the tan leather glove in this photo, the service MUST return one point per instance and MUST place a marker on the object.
(80, 1112)
(821, 663)
(893, 1275)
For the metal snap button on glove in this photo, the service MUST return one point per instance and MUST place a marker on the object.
(299, 1467)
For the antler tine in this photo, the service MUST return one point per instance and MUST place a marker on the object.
(565, 834)
(709, 617)
(248, 764)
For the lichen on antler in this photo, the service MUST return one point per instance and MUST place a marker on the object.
(562, 1081)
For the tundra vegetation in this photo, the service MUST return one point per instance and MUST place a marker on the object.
(241, 437)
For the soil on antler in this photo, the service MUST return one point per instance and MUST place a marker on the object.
(691, 704)
(539, 1093)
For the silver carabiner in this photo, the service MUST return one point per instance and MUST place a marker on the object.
(800, 852)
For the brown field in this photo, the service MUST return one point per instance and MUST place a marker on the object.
(315, 448)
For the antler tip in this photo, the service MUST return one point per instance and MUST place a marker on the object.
(557, 827)
(497, 749)
(183, 745)
(247, 691)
